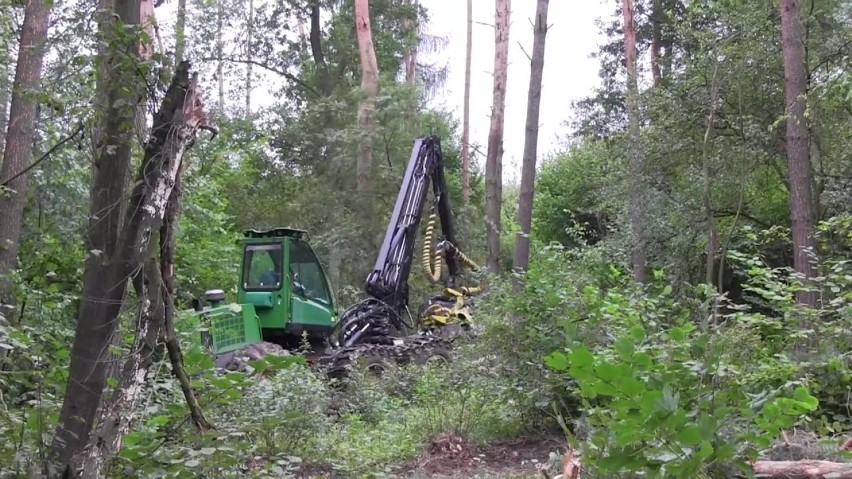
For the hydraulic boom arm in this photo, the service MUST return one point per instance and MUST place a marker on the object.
(373, 319)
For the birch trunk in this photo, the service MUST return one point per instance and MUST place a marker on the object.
(494, 157)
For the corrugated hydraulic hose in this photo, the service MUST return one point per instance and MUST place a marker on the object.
(430, 266)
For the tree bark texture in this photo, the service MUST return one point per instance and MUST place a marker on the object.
(636, 185)
(802, 214)
(168, 233)
(802, 470)
(18, 150)
(494, 156)
(521, 258)
(5, 81)
(466, 118)
(656, 41)
(180, 32)
(249, 54)
(175, 127)
(707, 194)
(410, 59)
(121, 91)
(367, 107)
(220, 54)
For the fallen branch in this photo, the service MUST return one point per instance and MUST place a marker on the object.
(802, 470)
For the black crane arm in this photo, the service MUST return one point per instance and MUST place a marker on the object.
(387, 285)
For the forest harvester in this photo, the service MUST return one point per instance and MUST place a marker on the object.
(284, 297)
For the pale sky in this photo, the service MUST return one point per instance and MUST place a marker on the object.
(569, 72)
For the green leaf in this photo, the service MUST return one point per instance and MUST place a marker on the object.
(804, 397)
(705, 451)
(638, 333)
(556, 360)
(581, 357)
(689, 435)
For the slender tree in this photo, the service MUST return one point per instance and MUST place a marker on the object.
(18, 150)
(525, 199)
(249, 50)
(634, 150)
(802, 211)
(494, 156)
(466, 119)
(656, 41)
(367, 107)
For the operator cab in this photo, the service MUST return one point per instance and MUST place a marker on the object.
(287, 285)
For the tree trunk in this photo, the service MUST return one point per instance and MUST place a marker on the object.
(634, 151)
(18, 150)
(521, 258)
(175, 127)
(5, 84)
(410, 59)
(366, 110)
(180, 32)
(466, 120)
(167, 271)
(494, 157)
(220, 55)
(656, 28)
(410, 62)
(249, 50)
(803, 217)
(120, 91)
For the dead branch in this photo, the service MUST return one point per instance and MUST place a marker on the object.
(802, 469)
(167, 248)
(571, 467)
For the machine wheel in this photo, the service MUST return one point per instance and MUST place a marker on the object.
(436, 355)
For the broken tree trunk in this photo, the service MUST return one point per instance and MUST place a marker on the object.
(802, 469)
(167, 252)
(175, 127)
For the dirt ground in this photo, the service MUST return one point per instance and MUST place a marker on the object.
(450, 457)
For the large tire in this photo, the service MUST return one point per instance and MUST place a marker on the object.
(434, 355)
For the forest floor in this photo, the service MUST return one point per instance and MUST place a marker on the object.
(451, 457)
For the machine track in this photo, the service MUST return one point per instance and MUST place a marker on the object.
(338, 364)
(416, 349)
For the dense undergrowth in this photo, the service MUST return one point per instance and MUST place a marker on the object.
(663, 380)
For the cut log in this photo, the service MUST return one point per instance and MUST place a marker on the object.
(802, 470)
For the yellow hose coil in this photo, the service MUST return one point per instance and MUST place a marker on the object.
(432, 267)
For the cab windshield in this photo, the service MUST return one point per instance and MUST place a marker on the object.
(306, 272)
(262, 267)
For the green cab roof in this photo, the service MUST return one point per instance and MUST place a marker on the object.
(276, 233)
